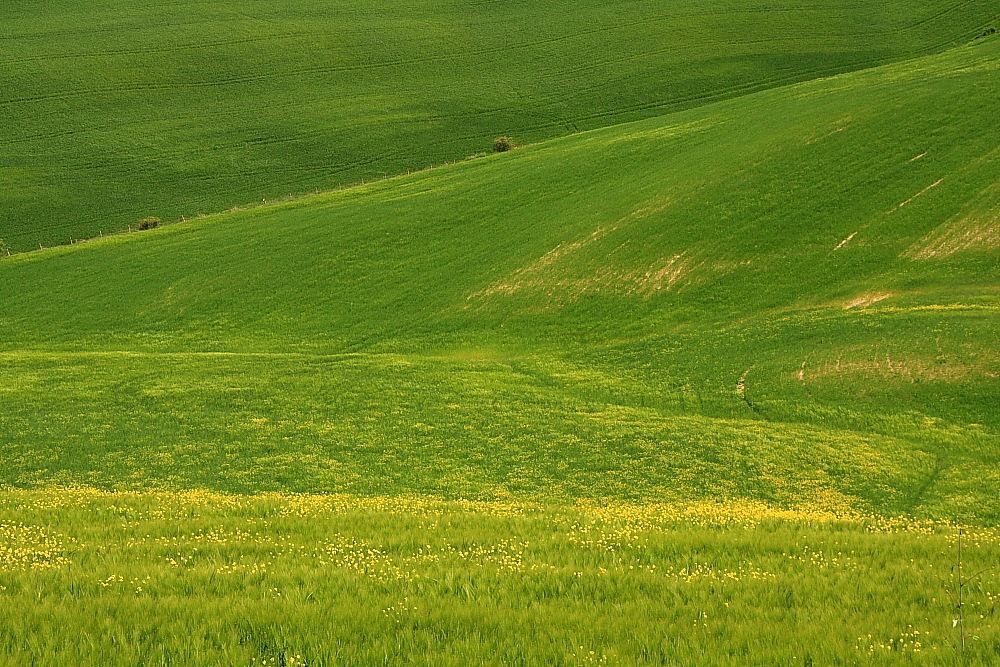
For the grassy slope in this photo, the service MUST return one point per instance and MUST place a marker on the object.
(117, 110)
(654, 310)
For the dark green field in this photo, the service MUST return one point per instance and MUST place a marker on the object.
(117, 110)
(718, 386)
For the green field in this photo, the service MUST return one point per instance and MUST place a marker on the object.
(116, 110)
(666, 308)
(713, 387)
(198, 579)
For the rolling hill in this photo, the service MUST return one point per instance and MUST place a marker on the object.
(716, 386)
(788, 297)
(118, 110)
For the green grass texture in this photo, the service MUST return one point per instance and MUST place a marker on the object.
(197, 579)
(789, 297)
(117, 110)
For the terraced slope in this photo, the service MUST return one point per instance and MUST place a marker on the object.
(790, 297)
(116, 110)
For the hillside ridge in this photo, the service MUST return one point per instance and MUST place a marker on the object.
(729, 302)
(160, 110)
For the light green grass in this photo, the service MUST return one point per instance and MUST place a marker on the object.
(197, 579)
(377, 425)
(115, 110)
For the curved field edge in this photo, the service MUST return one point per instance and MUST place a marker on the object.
(117, 111)
(810, 196)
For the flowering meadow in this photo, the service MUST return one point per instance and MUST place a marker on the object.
(197, 578)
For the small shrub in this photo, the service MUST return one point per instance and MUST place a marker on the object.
(502, 144)
(149, 223)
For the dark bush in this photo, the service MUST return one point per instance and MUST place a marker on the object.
(149, 223)
(4, 249)
(502, 144)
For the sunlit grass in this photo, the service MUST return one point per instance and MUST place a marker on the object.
(199, 578)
